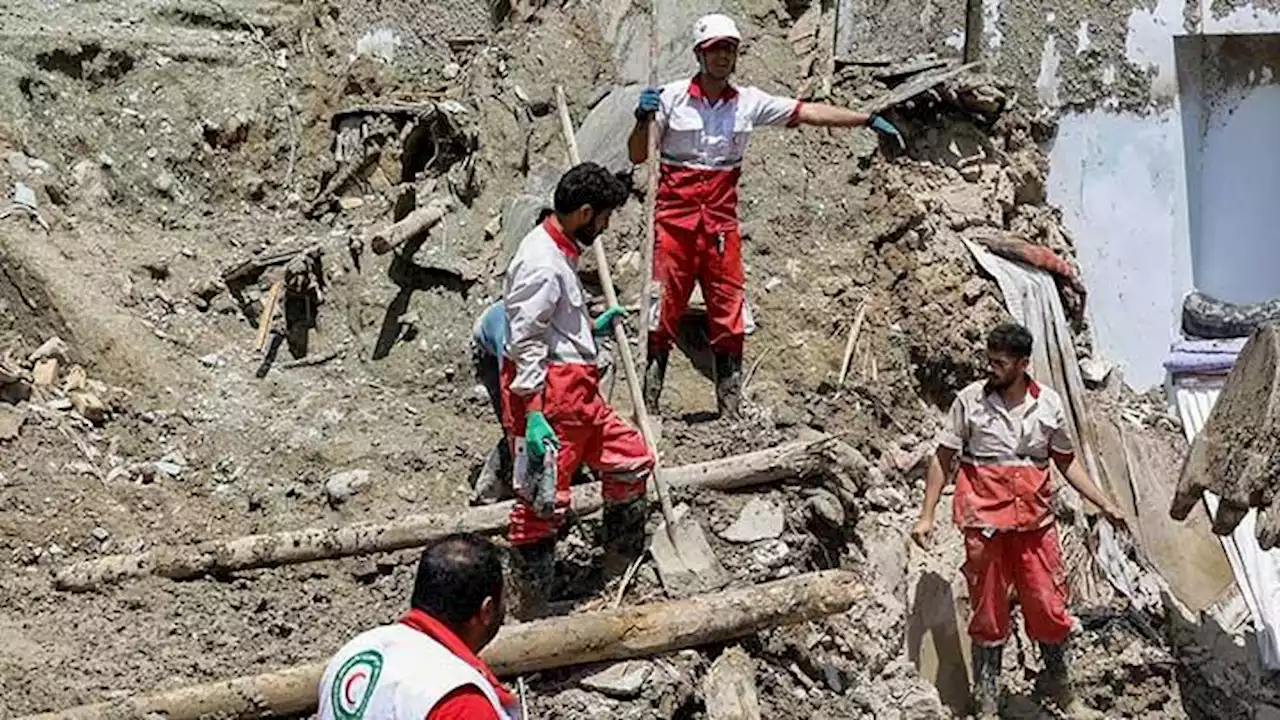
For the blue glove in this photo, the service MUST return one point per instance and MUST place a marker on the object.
(648, 103)
(886, 130)
(537, 432)
(604, 324)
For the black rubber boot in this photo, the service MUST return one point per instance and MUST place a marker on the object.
(622, 534)
(534, 572)
(655, 373)
(1054, 682)
(728, 384)
(986, 681)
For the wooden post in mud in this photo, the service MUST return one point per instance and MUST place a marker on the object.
(631, 632)
(794, 459)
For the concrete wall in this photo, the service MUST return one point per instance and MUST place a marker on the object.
(1163, 188)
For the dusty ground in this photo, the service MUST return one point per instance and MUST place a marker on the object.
(167, 141)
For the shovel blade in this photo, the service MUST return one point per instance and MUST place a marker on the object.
(686, 563)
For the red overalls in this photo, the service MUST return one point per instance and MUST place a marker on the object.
(702, 145)
(551, 367)
(1001, 504)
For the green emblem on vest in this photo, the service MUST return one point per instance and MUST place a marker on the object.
(349, 695)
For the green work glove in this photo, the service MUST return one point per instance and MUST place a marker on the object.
(538, 432)
(604, 324)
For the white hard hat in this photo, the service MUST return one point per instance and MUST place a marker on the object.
(714, 27)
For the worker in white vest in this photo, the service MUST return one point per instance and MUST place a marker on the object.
(426, 667)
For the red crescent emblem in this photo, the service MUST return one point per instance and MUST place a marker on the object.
(351, 681)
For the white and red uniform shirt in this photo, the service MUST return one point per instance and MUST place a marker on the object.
(1003, 483)
(404, 672)
(547, 315)
(702, 145)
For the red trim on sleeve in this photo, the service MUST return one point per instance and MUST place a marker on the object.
(1062, 457)
(794, 120)
(465, 703)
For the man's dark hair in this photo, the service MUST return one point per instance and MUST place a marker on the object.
(455, 576)
(1010, 339)
(590, 184)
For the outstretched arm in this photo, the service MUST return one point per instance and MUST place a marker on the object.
(824, 115)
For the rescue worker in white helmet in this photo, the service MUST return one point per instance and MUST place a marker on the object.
(704, 124)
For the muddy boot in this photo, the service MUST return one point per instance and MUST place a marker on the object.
(986, 681)
(1054, 683)
(532, 574)
(728, 384)
(622, 535)
(655, 373)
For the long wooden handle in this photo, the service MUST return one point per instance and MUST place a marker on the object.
(651, 197)
(619, 333)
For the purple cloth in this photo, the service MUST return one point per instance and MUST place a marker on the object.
(1201, 363)
(1231, 346)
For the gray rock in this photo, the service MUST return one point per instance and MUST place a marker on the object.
(825, 508)
(886, 498)
(624, 680)
(771, 554)
(1095, 371)
(612, 118)
(729, 688)
(519, 216)
(11, 420)
(339, 488)
(166, 467)
(759, 520)
(100, 534)
(54, 348)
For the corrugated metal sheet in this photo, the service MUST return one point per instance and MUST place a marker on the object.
(1257, 572)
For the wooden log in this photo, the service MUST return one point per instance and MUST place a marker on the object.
(1237, 454)
(291, 547)
(620, 634)
(414, 225)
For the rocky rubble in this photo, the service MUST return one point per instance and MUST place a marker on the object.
(195, 144)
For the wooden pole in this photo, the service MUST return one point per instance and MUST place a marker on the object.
(794, 459)
(268, 312)
(973, 31)
(619, 332)
(415, 224)
(650, 199)
(632, 632)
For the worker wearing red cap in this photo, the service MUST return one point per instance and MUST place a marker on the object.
(704, 124)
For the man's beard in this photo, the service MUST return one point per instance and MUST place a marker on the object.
(585, 235)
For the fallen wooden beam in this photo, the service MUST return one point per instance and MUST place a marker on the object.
(908, 90)
(794, 459)
(631, 632)
(254, 266)
(414, 225)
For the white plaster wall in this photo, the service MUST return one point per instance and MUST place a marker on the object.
(1237, 246)
(1120, 183)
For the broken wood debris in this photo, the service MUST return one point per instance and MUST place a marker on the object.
(247, 270)
(268, 312)
(414, 225)
(915, 87)
(823, 454)
(621, 634)
(896, 72)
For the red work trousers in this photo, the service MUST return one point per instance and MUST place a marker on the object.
(1031, 562)
(714, 260)
(590, 432)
